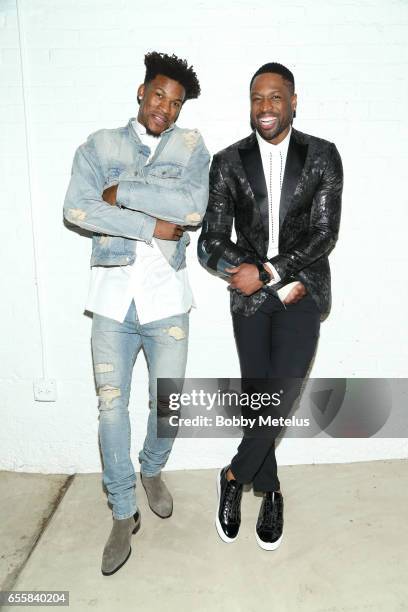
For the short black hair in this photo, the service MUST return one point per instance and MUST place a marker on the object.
(174, 68)
(276, 68)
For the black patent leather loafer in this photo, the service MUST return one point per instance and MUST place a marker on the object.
(269, 526)
(228, 517)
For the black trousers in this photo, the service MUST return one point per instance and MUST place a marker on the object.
(274, 342)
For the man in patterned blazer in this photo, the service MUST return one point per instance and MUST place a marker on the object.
(282, 190)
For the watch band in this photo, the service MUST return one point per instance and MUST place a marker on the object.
(264, 277)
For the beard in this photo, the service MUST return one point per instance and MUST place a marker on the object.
(150, 133)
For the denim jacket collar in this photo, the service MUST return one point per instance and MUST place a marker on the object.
(133, 133)
(164, 137)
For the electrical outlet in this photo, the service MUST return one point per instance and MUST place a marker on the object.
(45, 390)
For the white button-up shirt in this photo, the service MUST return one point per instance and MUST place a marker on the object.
(273, 163)
(158, 290)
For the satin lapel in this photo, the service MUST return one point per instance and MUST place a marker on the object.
(295, 162)
(252, 164)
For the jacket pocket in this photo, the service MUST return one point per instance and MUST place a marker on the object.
(165, 171)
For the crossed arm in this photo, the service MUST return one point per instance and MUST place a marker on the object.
(163, 229)
(143, 203)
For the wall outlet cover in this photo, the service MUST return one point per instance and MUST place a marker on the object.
(45, 390)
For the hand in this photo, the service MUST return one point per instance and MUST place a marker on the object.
(295, 294)
(109, 195)
(167, 231)
(245, 278)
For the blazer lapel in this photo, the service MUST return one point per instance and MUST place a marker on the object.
(252, 164)
(295, 162)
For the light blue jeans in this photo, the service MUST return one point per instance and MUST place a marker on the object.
(114, 349)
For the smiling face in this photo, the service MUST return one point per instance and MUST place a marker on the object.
(160, 103)
(272, 106)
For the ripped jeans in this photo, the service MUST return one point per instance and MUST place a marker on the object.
(114, 349)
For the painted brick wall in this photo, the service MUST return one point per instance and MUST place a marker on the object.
(83, 61)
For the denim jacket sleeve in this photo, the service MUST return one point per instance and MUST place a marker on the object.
(85, 208)
(181, 200)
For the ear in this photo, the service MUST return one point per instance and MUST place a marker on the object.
(140, 92)
(293, 104)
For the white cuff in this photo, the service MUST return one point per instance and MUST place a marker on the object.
(276, 278)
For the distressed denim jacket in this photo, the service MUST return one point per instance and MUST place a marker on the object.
(173, 186)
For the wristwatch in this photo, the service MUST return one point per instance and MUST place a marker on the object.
(264, 277)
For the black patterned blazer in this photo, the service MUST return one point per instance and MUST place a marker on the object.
(309, 216)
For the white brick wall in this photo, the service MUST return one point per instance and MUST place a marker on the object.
(84, 63)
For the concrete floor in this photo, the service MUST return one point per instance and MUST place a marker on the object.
(344, 548)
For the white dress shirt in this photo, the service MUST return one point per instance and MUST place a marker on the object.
(273, 163)
(158, 290)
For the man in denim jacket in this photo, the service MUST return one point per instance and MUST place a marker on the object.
(136, 188)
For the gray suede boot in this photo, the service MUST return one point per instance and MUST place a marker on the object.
(117, 549)
(158, 495)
